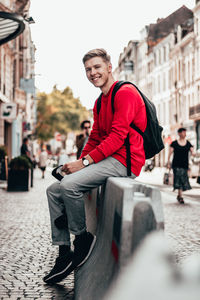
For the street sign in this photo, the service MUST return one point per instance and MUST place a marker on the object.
(27, 85)
(8, 110)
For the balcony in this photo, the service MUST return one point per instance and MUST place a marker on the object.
(194, 112)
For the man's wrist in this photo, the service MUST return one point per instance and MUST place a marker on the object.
(88, 157)
(87, 160)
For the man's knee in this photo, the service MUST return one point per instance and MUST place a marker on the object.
(52, 188)
(68, 186)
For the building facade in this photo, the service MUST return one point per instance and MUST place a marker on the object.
(166, 63)
(17, 88)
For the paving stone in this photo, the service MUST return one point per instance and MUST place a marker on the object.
(27, 254)
(26, 251)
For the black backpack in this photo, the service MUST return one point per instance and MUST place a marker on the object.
(152, 137)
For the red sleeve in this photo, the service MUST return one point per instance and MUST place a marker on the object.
(127, 102)
(94, 138)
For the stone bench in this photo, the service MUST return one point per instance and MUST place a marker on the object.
(121, 213)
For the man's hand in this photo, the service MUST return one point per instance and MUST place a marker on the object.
(73, 166)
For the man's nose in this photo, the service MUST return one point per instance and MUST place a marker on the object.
(93, 71)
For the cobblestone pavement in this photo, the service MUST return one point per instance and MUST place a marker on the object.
(182, 222)
(26, 251)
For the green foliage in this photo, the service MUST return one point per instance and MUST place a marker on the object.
(3, 152)
(59, 112)
(20, 163)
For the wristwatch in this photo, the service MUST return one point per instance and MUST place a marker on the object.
(85, 161)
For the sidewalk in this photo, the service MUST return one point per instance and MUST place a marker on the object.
(155, 177)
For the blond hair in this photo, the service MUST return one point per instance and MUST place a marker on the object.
(99, 52)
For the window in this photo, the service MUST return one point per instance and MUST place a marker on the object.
(164, 54)
(169, 79)
(188, 72)
(179, 70)
(158, 83)
(155, 59)
(164, 82)
(159, 56)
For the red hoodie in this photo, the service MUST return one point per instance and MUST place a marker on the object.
(110, 130)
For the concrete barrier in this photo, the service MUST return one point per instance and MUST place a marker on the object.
(152, 274)
(125, 213)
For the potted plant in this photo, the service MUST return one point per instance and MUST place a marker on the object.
(19, 174)
(3, 154)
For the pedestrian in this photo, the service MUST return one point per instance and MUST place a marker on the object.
(24, 148)
(103, 156)
(180, 149)
(81, 139)
(25, 151)
(43, 161)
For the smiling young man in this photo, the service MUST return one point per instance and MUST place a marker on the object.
(103, 156)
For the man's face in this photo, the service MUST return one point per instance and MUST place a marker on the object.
(98, 71)
(86, 128)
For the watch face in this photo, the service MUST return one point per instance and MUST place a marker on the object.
(86, 162)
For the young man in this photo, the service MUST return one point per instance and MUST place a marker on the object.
(103, 156)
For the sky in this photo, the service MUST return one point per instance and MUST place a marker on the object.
(65, 30)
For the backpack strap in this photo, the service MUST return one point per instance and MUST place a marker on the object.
(132, 125)
(128, 155)
(126, 142)
(99, 103)
(115, 89)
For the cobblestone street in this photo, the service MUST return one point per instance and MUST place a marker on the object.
(26, 251)
(182, 222)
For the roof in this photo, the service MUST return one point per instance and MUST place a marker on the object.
(164, 26)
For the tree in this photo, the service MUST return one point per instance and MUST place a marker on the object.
(59, 112)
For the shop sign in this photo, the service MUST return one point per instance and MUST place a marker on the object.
(8, 111)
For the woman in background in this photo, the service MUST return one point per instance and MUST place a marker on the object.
(180, 149)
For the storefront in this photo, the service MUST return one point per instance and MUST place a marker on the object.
(11, 26)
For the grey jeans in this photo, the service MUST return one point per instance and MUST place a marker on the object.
(68, 195)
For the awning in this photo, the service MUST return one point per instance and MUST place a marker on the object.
(11, 25)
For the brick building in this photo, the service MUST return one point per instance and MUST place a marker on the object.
(166, 66)
(17, 88)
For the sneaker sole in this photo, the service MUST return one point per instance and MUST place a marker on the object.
(91, 248)
(61, 275)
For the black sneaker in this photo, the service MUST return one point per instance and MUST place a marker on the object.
(83, 246)
(63, 267)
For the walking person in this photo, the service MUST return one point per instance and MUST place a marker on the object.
(24, 148)
(81, 139)
(180, 149)
(43, 161)
(103, 156)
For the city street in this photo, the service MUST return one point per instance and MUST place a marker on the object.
(26, 251)
(182, 221)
